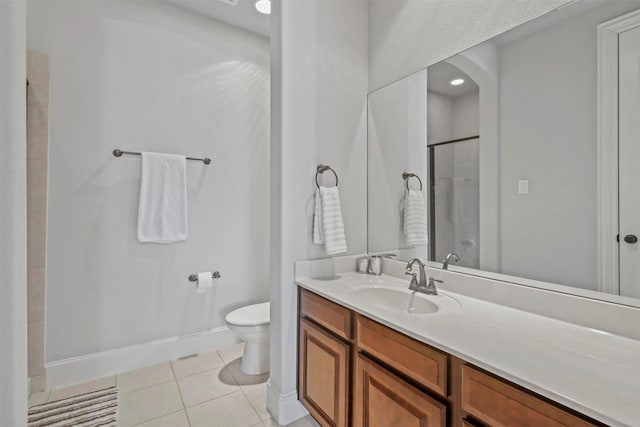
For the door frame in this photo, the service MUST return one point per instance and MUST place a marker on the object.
(608, 265)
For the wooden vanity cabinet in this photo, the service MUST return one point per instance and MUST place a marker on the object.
(324, 375)
(354, 371)
(324, 359)
(382, 399)
(423, 364)
(495, 402)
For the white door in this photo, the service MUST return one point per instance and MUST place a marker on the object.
(629, 162)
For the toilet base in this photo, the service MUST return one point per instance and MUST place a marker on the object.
(255, 358)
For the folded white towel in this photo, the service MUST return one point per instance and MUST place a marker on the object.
(415, 218)
(328, 227)
(162, 211)
(318, 232)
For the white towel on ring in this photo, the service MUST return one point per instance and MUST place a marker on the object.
(162, 211)
(415, 218)
(328, 226)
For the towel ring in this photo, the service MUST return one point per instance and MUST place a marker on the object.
(406, 176)
(322, 169)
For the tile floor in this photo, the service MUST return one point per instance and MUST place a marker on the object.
(207, 390)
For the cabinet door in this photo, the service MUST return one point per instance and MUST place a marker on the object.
(381, 399)
(324, 375)
(416, 360)
(494, 402)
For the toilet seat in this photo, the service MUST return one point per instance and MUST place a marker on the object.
(250, 315)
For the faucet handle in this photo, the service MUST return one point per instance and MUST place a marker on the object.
(433, 279)
(413, 284)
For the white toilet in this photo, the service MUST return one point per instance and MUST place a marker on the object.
(251, 324)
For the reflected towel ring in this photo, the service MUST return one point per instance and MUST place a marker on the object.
(406, 176)
(322, 169)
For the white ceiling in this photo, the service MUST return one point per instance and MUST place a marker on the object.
(439, 78)
(241, 13)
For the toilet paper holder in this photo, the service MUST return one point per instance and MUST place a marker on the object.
(214, 275)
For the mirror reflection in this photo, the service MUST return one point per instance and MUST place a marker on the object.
(517, 141)
(453, 142)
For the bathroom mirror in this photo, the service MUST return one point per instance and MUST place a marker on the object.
(516, 142)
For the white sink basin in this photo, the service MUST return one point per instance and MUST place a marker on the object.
(398, 300)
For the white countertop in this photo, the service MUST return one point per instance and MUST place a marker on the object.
(593, 372)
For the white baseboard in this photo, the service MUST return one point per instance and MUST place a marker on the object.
(75, 370)
(285, 408)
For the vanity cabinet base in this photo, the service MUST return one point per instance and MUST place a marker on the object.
(356, 372)
(323, 382)
(497, 403)
(381, 399)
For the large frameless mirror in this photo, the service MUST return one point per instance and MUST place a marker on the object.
(523, 149)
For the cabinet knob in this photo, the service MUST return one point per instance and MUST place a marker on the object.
(630, 238)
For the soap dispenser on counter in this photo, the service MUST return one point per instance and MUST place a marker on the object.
(371, 264)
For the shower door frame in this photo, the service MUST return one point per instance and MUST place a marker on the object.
(432, 191)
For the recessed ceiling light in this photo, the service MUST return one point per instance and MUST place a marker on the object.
(264, 6)
(456, 82)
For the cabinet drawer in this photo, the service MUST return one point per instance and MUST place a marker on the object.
(497, 403)
(382, 399)
(413, 358)
(332, 316)
(323, 380)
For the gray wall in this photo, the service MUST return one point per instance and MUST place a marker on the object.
(319, 115)
(407, 36)
(548, 105)
(397, 135)
(149, 76)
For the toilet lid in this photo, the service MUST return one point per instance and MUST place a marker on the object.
(251, 315)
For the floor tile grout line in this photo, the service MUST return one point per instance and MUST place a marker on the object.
(184, 407)
(51, 392)
(199, 372)
(158, 417)
(214, 398)
(252, 405)
(175, 380)
(145, 387)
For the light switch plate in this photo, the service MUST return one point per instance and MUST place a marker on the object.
(523, 186)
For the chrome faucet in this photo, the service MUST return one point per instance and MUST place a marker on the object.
(445, 262)
(420, 285)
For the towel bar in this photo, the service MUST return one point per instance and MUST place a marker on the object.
(406, 176)
(119, 153)
(322, 169)
(214, 275)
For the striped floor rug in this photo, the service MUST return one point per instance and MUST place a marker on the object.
(94, 409)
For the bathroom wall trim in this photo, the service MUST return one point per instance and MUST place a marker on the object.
(74, 370)
(286, 405)
(607, 167)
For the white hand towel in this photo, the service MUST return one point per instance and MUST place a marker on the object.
(415, 218)
(162, 211)
(318, 233)
(328, 226)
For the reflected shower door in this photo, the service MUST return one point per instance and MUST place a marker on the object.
(454, 208)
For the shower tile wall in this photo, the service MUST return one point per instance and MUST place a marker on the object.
(37, 154)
